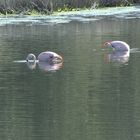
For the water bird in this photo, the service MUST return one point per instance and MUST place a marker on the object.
(118, 45)
(47, 61)
(47, 56)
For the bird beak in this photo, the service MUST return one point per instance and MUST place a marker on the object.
(57, 59)
(105, 44)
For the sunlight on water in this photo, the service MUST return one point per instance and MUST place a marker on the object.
(20, 61)
(135, 50)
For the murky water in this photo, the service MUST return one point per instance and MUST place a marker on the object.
(91, 96)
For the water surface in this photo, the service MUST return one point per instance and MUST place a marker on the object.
(91, 97)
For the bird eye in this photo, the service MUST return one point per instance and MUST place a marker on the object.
(51, 56)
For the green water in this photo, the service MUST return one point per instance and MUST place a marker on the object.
(89, 98)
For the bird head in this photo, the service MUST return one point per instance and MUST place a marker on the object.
(31, 58)
(55, 57)
(108, 44)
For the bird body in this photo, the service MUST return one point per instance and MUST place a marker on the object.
(118, 45)
(46, 56)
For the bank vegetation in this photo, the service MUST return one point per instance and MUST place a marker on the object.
(27, 7)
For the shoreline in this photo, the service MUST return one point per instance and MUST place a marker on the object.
(87, 15)
(28, 7)
(101, 11)
(84, 12)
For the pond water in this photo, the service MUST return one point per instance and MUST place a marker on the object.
(91, 96)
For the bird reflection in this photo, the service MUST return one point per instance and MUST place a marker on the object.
(119, 57)
(31, 65)
(45, 66)
(49, 67)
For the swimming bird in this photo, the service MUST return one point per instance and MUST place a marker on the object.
(46, 56)
(118, 45)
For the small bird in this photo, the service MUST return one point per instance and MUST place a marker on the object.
(118, 45)
(46, 56)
